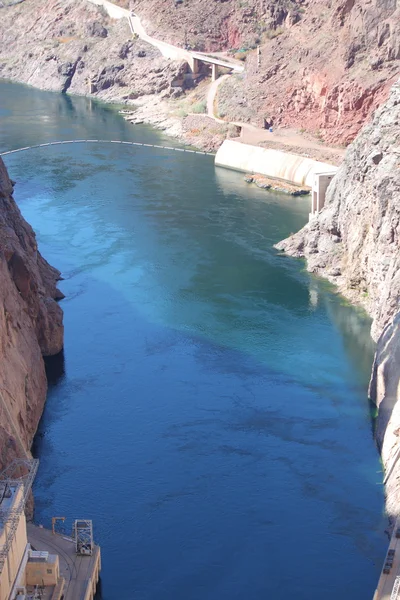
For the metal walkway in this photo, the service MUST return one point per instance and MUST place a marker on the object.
(59, 143)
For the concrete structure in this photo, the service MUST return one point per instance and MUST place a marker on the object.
(11, 497)
(168, 50)
(42, 569)
(79, 572)
(389, 583)
(41, 565)
(320, 185)
(271, 163)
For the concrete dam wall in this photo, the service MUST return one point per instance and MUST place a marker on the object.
(271, 163)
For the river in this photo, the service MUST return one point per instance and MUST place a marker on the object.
(210, 411)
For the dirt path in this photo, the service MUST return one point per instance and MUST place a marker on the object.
(256, 135)
(212, 92)
(288, 140)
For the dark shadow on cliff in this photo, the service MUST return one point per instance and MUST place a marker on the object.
(55, 368)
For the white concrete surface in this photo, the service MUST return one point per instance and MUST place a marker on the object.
(271, 163)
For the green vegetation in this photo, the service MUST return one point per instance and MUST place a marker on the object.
(180, 112)
(199, 107)
(273, 33)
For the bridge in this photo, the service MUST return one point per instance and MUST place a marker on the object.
(139, 144)
(194, 59)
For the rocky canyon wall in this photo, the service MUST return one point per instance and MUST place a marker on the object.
(324, 65)
(73, 46)
(30, 326)
(328, 66)
(355, 243)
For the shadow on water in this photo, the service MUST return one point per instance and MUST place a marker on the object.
(35, 117)
(99, 591)
(55, 368)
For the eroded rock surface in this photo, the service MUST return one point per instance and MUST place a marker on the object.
(384, 390)
(319, 66)
(354, 242)
(30, 326)
(73, 46)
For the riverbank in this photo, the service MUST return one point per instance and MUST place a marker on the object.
(82, 51)
(354, 242)
(190, 347)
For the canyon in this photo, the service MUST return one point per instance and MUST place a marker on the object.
(354, 101)
(76, 48)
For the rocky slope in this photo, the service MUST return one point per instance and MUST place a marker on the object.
(212, 25)
(355, 239)
(324, 65)
(325, 73)
(354, 242)
(73, 46)
(30, 326)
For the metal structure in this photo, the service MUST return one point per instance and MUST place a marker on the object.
(396, 587)
(18, 475)
(83, 535)
(53, 523)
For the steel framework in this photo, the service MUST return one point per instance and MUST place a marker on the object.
(395, 591)
(11, 477)
(83, 533)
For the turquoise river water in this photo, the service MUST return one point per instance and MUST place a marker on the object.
(210, 411)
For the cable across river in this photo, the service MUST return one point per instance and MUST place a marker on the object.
(59, 143)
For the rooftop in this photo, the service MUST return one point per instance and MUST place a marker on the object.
(8, 493)
(76, 569)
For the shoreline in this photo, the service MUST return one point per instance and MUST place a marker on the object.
(200, 130)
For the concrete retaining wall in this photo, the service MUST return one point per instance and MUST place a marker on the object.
(272, 163)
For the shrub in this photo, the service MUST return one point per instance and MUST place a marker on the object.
(181, 113)
(199, 107)
(273, 33)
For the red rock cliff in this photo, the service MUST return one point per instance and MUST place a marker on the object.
(30, 326)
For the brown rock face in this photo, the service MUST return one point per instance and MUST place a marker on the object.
(324, 65)
(326, 73)
(30, 325)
